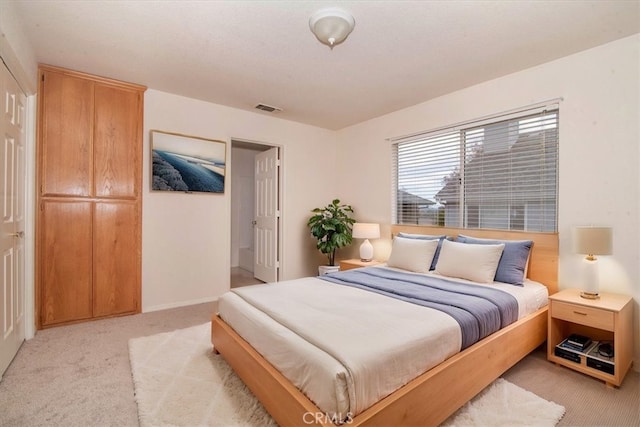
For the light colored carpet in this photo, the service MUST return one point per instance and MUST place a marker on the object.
(179, 381)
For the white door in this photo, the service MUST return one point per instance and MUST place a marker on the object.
(12, 202)
(267, 213)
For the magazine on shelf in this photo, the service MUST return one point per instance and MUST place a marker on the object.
(579, 341)
(566, 345)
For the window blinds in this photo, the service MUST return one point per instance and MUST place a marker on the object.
(500, 173)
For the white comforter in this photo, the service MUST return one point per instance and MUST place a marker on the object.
(345, 348)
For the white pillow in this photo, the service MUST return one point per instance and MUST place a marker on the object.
(469, 261)
(412, 254)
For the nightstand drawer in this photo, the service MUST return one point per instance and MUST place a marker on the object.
(596, 318)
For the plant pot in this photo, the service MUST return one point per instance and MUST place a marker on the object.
(324, 269)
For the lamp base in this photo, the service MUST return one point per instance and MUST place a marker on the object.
(366, 251)
(589, 295)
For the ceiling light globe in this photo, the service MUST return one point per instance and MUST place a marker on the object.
(331, 26)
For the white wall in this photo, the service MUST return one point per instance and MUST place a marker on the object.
(599, 152)
(186, 237)
(16, 50)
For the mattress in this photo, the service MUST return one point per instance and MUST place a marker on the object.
(344, 347)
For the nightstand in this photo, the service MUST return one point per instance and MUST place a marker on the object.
(609, 318)
(348, 264)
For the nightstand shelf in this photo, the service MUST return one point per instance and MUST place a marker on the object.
(348, 264)
(608, 318)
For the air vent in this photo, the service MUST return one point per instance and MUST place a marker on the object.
(268, 108)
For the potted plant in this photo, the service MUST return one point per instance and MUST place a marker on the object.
(331, 226)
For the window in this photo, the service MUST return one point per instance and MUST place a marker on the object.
(499, 173)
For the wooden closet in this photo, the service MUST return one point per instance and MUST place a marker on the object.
(88, 222)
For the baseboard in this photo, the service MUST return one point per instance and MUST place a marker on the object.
(178, 304)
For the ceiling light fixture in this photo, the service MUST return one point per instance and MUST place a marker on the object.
(331, 26)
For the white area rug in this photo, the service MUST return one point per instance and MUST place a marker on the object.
(180, 382)
(506, 404)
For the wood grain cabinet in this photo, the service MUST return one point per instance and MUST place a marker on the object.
(607, 319)
(89, 162)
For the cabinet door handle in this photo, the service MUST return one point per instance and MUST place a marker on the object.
(580, 313)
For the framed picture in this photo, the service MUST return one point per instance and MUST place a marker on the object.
(187, 164)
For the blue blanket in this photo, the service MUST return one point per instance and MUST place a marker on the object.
(480, 310)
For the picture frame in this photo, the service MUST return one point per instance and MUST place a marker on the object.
(187, 164)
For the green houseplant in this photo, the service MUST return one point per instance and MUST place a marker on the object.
(332, 227)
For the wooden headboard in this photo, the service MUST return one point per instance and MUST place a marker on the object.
(543, 262)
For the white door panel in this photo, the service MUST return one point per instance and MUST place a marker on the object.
(12, 198)
(265, 229)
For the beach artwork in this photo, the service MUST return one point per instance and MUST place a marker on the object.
(187, 164)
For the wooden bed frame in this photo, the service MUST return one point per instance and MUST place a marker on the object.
(432, 397)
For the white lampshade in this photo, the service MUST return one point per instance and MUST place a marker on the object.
(332, 25)
(592, 241)
(365, 230)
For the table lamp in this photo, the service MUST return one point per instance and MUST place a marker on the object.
(364, 230)
(592, 241)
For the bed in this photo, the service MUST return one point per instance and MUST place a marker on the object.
(430, 397)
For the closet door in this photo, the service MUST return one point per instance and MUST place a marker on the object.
(67, 132)
(116, 258)
(117, 156)
(67, 268)
(89, 198)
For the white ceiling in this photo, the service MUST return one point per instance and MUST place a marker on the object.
(240, 53)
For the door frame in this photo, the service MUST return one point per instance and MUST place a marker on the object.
(281, 195)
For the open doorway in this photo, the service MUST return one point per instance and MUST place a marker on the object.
(254, 259)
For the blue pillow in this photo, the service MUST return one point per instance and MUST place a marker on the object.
(513, 261)
(427, 237)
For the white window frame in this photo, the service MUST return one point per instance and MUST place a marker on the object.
(544, 118)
